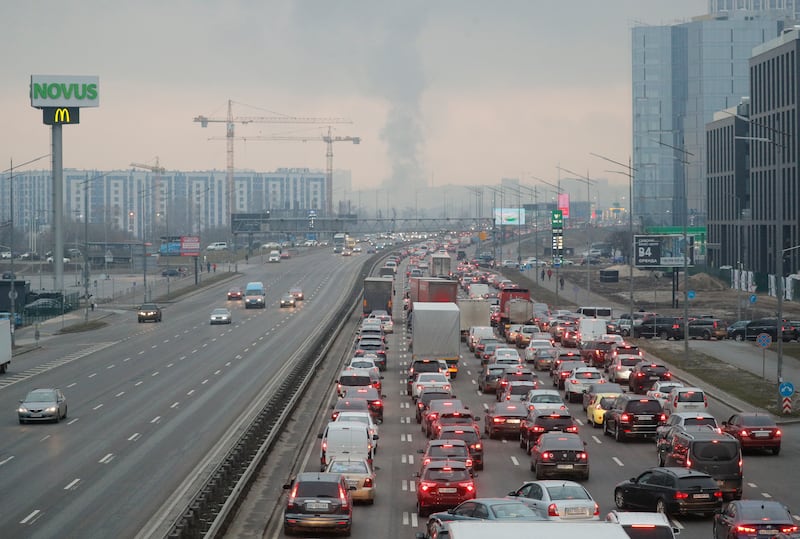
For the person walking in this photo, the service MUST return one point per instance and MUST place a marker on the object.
(542, 274)
(561, 283)
(549, 274)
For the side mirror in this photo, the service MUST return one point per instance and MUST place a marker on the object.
(633, 480)
(513, 493)
(375, 437)
(383, 396)
(381, 377)
(319, 436)
(288, 485)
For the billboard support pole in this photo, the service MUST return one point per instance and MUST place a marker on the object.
(58, 207)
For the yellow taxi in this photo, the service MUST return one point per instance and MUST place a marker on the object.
(597, 406)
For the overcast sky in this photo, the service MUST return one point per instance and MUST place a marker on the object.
(449, 92)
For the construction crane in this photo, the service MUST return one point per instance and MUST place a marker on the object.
(230, 120)
(158, 170)
(328, 139)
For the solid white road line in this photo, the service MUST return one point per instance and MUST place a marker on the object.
(30, 518)
(45, 438)
(133, 437)
(108, 458)
(6, 460)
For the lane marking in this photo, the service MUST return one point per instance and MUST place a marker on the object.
(73, 384)
(154, 374)
(677, 524)
(414, 522)
(174, 404)
(619, 462)
(31, 517)
(411, 486)
(72, 484)
(170, 365)
(108, 458)
(515, 461)
(766, 495)
(73, 421)
(92, 375)
(411, 459)
(752, 485)
(137, 383)
(596, 439)
(133, 437)
(403, 459)
(405, 518)
(121, 393)
(155, 419)
(45, 438)
(6, 460)
(204, 382)
(98, 407)
(190, 392)
(111, 366)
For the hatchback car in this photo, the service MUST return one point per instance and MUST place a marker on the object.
(558, 499)
(645, 374)
(754, 431)
(560, 454)
(541, 358)
(426, 397)
(318, 501)
(235, 293)
(544, 399)
(579, 381)
(489, 378)
(359, 476)
(620, 368)
(149, 312)
(671, 491)
(479, 509)
(48, 404)
(598, 405)
(633, 416)
(517, 390)
(297, 292)
(220, 316)
(470, 435)
(743, 519)
(661, 389)
(540, 421)
(503, 419)
(442, 485)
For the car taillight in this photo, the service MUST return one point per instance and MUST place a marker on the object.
(477, 446)
(469, 485)
(469, 463)
(583, 455)
(667, 375)
(432, 416)
(377, 403)
(662, 418)
(572, 428)
(343, 497)
(788, 529)
(425, 486)
(681, 495)
(368, 482)
(777, 433)
(537, 428)
(293, 494)
(745, 529)
(573, 381)
(447, 388)
(744, 433)
(552, 510)
(499, 420)
(624, 418)
(547, 455)
(425, 462)
(639, 374)
(420, 405)
(596, 510)
(718, 494)
(324, 445)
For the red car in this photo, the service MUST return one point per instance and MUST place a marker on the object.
(754, 431)
(442, 485)
(235, 293)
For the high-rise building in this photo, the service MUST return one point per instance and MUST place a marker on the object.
(682, 74)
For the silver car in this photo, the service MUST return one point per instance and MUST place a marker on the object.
(620, 369)
(43, 405)
(220, 316)
(559, 500)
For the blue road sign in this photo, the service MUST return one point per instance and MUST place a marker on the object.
(753, 298)
(691, 294)
(786, 389)
(764, 340)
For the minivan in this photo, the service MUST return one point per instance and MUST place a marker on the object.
(217, 246)
(254, 295)
(686, 399)
(595, 312)
(711, 452)
(345, 439)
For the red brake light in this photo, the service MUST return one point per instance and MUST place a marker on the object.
(547, 455)
(470, 486)
(498, 420)
(425, 486)
(582, 455)
(718, 494)
(788, 529)
(681, 495)
(342, 497)
(745, 529)
(624, 418)
(552, 510)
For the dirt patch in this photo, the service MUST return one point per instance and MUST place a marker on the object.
(83, 326)
(704, 281)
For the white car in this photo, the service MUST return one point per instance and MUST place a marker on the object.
(220, 316)
(661, 389)
(544, 399)
(579, 380)
(364, 362)
(616, 339)
(535, 344)
(366, 419)
(686, 399)
(50, 260)
(429, 380)
(506, 356)
(386, 323)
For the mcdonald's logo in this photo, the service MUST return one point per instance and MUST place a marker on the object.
(61, 115)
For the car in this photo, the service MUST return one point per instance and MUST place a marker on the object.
(235, 293)
(220, 316)
(505, 356)
(285, 254)
(707, 329)
(170, 272)
(489, 378)
(558, 499)
(513, 373)
(8, 275)
(429, 380)
(737, 330)
(571, 338)
(511, 333)
(353, 405)
(43, 404)
(607, 388)
(297, 293)
(470, 435)
(594, 353)
(318, 501)
(386, 321)
(564, 371)
(671, 490)
(598, 405)
(661, 389)
(444, 484)
(633, 416)
(544, 399)
(44, 306)
(754, 431)
(541, 358)
(462, 418)
(743, 519)
(686, 421)
(149, 311)
(287, 300)
(356, 377)
(621, 367)
(426, 397)
(685, 399)
(524, 335)
(655, 326)
(369, 394)
(559, 454)
(644, 525)
(480, 509)
(579, 380)
(364, 418)
(540, 421)
(65, 259)
(364, 362)
(359, 476)
(645, 374)
(516, 390)
(503, 419)
(421, 365)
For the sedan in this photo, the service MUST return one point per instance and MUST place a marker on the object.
(297, 292)
(742, 519)
(754, 431)
(481, 509)
(661, 389)
(430, 380)
(149, 311)
(287, 300)
(559, 500)
(560, 454)
(220, 316)
(443, 484)
(671, 491)
(43, 405)
(235, 293)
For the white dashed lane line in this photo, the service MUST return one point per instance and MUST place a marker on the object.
(597, 440)
(73, 384)
(92, 375)
(121, 393)
(133, 437)
(73, 421)
(515, 461)
(108, 458)
(156, 419)
(619, 462)
(5, 460)
(98, 407)
(72, 484)
(32, 517)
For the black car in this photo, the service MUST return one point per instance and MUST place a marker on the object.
(764, 325)
(540, 421)
(504, 418)
(633, 416)
(149, 311)
(671, 491)
(469, 434)
(170, 272)
(754, 518)
(426, 397)
(559, 454)
(655, 326)
(645, 374)
(318, 501)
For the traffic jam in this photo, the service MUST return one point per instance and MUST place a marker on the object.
(482, 366)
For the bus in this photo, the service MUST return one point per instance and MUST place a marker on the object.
(339, 242)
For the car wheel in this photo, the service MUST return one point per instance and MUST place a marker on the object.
(776, 450)
(619, 499)
(660, 460)
(661, 507)
(287, 530)
(528, 446)
(521, 442)
(707, 336)
(65, 413)
(618, 434)
(21, 421)
(664, 336)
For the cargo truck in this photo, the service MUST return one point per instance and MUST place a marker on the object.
(519, 311)
(474, 312)
(436, 334)
(506, 295)
(377, 295)
(433, 290)
(440, 265)
(5, 345)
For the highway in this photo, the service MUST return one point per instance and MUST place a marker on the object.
(507, 466)
(148, 403)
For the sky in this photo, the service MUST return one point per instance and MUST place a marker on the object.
(458, 92)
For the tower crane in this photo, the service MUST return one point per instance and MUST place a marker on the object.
(328, 139)
(158, 170)
(230, 120)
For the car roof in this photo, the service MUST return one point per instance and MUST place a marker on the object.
(680, 472)
(318, 477)
(639, 517)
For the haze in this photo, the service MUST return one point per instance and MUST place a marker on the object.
(448, 92)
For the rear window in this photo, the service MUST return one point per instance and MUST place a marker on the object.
(606, 403)
(547, 398)
(520, 389)
(629, 362)
(428, 366)
(648, 531)
(765, 511)
(496, 372)
(568, 492)
(443, 474)
(759, 420)
(654, 369)
(317, 489)
(699, 421)
(695, 483)
(644, 406)
(588, 375)
(355, 380)
(521, 377)
(690, 396)
(348, 467)
(557, 422)
(427, 397)
(719, 451)
(447, 451)
(468, 435)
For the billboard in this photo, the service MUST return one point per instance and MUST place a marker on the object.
(64, 91)
(563, 204)
(509, 216)
(662, 251)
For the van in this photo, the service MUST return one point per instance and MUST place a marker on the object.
(478, 332)
(717, 454)
(477, 529)
(591, 329)
(345, 440)
(217, 246)
(274, 256)
(595, 312)
(354, 378)
(255, 295)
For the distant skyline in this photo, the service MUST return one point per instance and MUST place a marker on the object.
(451, 92)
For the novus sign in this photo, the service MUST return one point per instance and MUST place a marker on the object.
(64, 91)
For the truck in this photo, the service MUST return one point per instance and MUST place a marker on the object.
(436, 332)
(377, 295)
(440, 265)
(431, 289)
(474, 312)
(5, 345)
(506, 295)
(339, 242)
(518, 311)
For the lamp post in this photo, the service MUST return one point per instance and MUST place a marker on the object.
(495, 191)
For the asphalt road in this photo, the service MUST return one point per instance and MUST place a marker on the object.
(148, 402)
(393, 515)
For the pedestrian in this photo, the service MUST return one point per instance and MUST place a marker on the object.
(542, 274)
(561, 282)
(549, 274)
(215, 267)
(246, 258)
(208, 267)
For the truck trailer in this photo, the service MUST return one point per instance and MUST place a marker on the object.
(436, 334)
(474, 312)
(377, 295)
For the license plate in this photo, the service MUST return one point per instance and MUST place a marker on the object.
(575, 511)
(644, 417)
(654, 377)
(513, 421)
(352, 483)
(35, 415)
(761, 434)
(564, 466)
(767, 532)
(448, 490)
(701, 496)
(317, 506)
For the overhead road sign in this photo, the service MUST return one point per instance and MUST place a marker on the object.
(662, 251)
(64, 91)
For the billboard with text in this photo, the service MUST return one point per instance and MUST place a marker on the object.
(662, 251)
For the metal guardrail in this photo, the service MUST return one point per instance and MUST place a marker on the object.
(215, 503)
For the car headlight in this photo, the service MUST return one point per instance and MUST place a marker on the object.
(50, 409)
(22, 410)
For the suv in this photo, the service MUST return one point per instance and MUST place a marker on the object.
(540, 421)
(471, 436)
(318, 501)
(717, 454)
(513, 374)
(765, 325)
(149, 311)
(594, 353)
(655, 326)
(645, 373)
(633, 415)
(708, 328)
(559, 454)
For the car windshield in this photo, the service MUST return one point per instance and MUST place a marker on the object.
(348, 467)
(355, 418)
(690, 396)
(219, 311)
(148, 307)
(444, 474)
(468, 435)
(40, 395)
(715, 451)
(567, 492)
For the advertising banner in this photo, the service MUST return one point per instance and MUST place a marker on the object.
(662, 251)
(563, 204)
(509, 216)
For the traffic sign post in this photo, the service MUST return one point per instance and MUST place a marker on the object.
(691, 294)
(786, 405)
(786, 389)
(763, 340)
